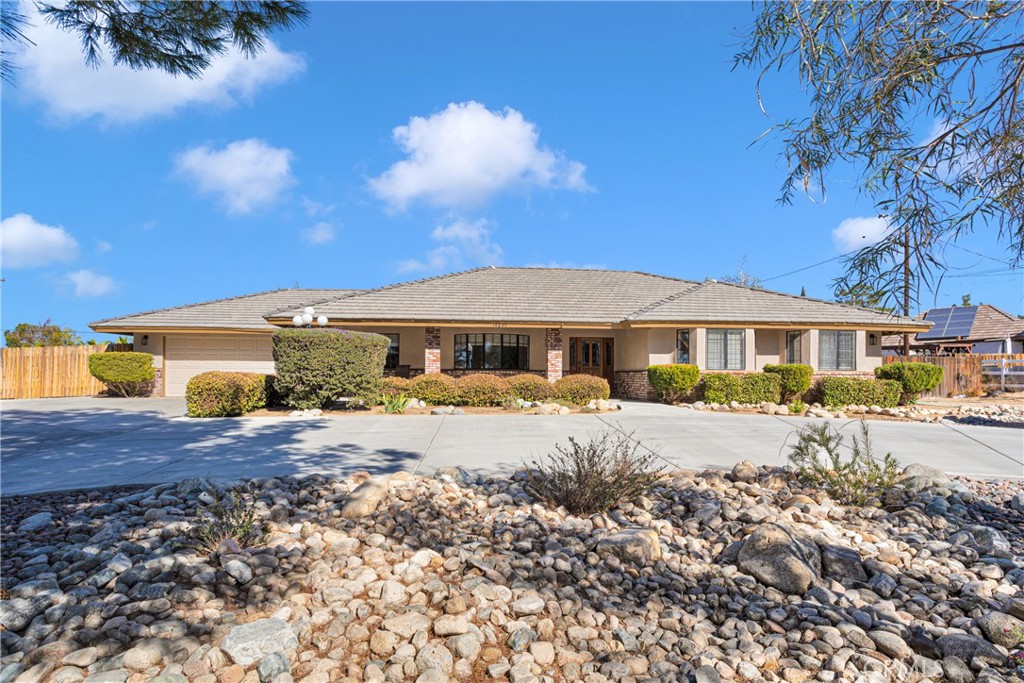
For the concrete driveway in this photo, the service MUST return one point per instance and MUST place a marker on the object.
(55, 444)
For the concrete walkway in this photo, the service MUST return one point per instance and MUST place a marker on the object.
(56, 444)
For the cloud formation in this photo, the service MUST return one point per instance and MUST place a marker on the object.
(246, 174)
(321, 233)
(90, 284)
(54, 72)
(859, 232)
(26, 243)
(461, 242)
(465, 154)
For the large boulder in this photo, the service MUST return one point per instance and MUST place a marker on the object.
(364, 499)
(249, 643)
(781, 558)
(639, 546)
(842, 563)
(1001, 629)
(984, 539)
(966, 647)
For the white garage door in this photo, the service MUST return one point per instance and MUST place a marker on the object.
(187, 355)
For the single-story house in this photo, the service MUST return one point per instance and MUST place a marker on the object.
(547, 321)
(963, 329)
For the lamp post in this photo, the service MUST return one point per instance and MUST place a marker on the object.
(306, 318)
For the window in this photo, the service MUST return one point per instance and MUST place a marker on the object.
(837, 350)
(392, 360)
(793, 346)
(492, 351)
(726, 350)
(682, 346)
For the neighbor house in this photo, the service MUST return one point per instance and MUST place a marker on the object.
(964, 329)
(546, 321)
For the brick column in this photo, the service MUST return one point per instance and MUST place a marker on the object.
(432, 351)
(553, 344)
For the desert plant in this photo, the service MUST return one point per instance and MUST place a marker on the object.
(317, 367)
(126, 373)
(796, 378)
(224, 394)
(481, 389)
(673, 381)
(435, 389)
(720, 387)
(914, 378)
(853, 480)
(394, 386)
(846, 391)
(610, 468)
(530, 387)
(797, 407)
(395, 404)
(513, 404)
(580, 390)
(226, 518)
(760, 387)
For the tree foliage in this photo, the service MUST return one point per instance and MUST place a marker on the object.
(180, 38)
(861, 294)
(924, 99)
(43, 334)
(743, 276)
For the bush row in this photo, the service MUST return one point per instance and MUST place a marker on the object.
(677, 381)
(482, 389)
(914, 378)
(847, 391)
(753, 387)
(226, 394)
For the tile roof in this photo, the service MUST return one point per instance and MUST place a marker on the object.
(244, 312)
(989, 324)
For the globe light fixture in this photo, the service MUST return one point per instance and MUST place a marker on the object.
(297, 320)
(307, 318)
(322, 321)
(308, 310)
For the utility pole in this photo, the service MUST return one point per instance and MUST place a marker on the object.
(906, 287)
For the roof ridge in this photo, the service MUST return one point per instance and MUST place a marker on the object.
(593, 270)
(666, 300)
(203, 303)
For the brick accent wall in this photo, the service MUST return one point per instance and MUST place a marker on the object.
(432, 351)
(553, 345)
(158, 382)
(633, 384)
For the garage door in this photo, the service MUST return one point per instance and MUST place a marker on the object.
(187, 355)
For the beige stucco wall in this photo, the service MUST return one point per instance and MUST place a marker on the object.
(631, 349)
(410, 341)
(769, 347)
(661, 347)
(154, 345)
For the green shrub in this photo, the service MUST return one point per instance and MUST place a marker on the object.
(796, 378)
(225, 394)
(393, 386)
(847, 391)
(530, 387)
(674, 381)
(126, 373)
(797, 407)
(395, 404)
(435, 389)
(819, 458)
(720, 387)
(317, 367)
(580, 390)
(588, 478)
(914, 378)
(481, 389)
(760, 387)
(229, 518)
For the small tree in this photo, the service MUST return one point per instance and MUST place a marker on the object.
(126, 373)
(43, 334)
(819, 456)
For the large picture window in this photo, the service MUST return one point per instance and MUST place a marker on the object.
(391, 362)
(837, 350)
(492, 352)
(793, 346)
(682, 346)
(726, 350)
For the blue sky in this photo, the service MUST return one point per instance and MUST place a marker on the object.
(386, 142)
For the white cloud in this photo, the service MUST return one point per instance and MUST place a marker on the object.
(90, 284)
(321, 233)
(246, 173)
(54, 71)
(461, 242)
(571, 265)
(26, 243)
(860, 232)
(314, 209)
(102, 246)
(465, 154)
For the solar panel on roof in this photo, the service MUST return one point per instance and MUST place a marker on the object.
(950, 323)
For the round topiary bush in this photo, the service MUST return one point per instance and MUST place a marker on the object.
(914, 378)
(315, 367)
(225, 394)
(481, 389)
(436, 389)
(126, 373)
(580, 390)
(530, 387)
(796, 378)
(396, 386)
(673, 381)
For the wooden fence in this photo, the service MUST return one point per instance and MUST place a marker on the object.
(51, 371)
(961, 373)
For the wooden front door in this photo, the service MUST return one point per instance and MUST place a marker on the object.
(592, 356)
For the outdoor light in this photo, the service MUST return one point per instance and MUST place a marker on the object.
(308, 310)
(307, 318)
(322, 321)
(872, 339)
(145, 340)
(297, 320)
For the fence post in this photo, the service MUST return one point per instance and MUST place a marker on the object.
(1002, 374)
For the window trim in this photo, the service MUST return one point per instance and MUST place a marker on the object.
(683, 359)
(726, 332)
(464, 361)
(798, 348)
(836, 335)
(397, 341)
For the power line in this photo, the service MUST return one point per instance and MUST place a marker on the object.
(800, 270)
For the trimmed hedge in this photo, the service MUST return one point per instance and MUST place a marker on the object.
(760, 387)
(673, 381)
(720, 387)
(225, 394)
(914, 378)
(395, 386)
(796, 378)
(847, 391)
(530, 387)
(580, 390)
(481, 389)
(126, 373)
(435, 389)
(317, 367)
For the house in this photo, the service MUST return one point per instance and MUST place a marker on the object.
(547, 321)
(964, 329)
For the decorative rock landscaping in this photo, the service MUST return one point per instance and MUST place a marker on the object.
(735, 576)
(1004, 415)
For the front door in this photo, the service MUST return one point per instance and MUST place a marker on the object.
(592, 356)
